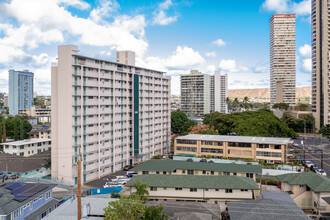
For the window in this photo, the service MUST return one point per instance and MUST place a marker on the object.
(157, 172)
(236, 144)
(186, 141)
(226, 173)
(212, 172)
(250, 175)
(212, 150)
(207, 143)
(178, 189)
(145, 172)
(164, 172)
(48, 195)
(164, 188)
(268, 154)
(204, 172)
(235, 174)
(217, 190)
(244, 190)
(190, 172)
(229, 191)
(193, 189)
(301, 186)
(191, 149)
(16, 213)
(153, 188)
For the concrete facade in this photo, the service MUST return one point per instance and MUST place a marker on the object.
(20, 94)
(111, 114)
(220, 92)
(220, 147)
(283, 58)
(27, 147)
(43, 115)
(320, 62)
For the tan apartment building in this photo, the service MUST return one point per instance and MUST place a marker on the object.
(309, 190)
(283, 58)
(179, 167)
(195, 188)
(320, 62)
(111, 113)
(268, 149)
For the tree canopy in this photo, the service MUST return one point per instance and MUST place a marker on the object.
(262, 123)
(15, 126)
(180, 124)
(298, 124)
(325, 131)
(281, 106)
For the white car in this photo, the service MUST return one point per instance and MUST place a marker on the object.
(309, 164)
(321, 172)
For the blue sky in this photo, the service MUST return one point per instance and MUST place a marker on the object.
(170, 35)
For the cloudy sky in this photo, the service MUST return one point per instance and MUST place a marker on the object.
(170, 35)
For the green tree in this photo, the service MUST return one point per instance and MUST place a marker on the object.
(325, 131)
(126, 208)
(115, 195)
(21, 131)
(208, 118)
(178, 118)
(141, 190)
(188, 125)
(15, 130)
(157, 157)
(303, 106)
(281, 106)
(4, 134)
(0, 132)
(11, 122)
(154, 213)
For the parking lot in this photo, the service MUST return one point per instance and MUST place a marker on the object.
(98, 183)
(313, 151)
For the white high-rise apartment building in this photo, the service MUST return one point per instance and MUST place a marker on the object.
(320, 62)
(220, 92)
(110, 113)
(202, 93)
(283, 58)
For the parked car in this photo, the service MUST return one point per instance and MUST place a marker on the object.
(15, 176)
(189, 160)
(314, 168)
(131, 172)
(203, 160)
(309, 164)
(128, 167)
(3, 176)
(321, 172)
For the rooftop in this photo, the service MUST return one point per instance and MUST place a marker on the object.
(242, 139)
(195, 181)
(273, 206)
(27, 141)
(171, 165)
(174, 208)
(313, 180)
(20, 164)
(68, 210)
(19, 194)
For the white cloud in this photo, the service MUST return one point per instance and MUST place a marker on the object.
(259, 69)
(219, 42)
(74, 3)
(106, 9)
(230, 66)
(160, 17)
(210, 69)
(288, 6)
(306, 51)
(307, 65)
(211, 54)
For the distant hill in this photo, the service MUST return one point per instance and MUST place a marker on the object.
(264, 93)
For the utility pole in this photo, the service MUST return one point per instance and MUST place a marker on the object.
(322, 159)
(304, 140)
(79, 188)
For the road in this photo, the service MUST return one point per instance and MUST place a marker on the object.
(313, 149)
(98, 183)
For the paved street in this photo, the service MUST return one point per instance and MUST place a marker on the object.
(313, 153)
(98, 183)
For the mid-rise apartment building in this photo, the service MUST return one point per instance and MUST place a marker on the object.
(320, 62)
(283, 58)
(20, 94)
(27, 147)
(112, 114)
(202, 93)
(268, 149)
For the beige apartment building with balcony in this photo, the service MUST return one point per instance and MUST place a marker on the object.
(268, 149)
(111, 113)
(283, 58)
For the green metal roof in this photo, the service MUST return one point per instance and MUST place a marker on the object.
(195, 181)
(171, 165)
(313, 180)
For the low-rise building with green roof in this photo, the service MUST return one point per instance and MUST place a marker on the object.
(195, 187)
(309, 190)
(177, 167)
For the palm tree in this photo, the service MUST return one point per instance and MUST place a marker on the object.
(48, 163)
(141, 190)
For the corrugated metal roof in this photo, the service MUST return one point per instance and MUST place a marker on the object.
(171, 165)
(195, 181)
(241, 139)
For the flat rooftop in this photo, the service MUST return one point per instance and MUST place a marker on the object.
(241, 139)
(27, 141)
(171, 165)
